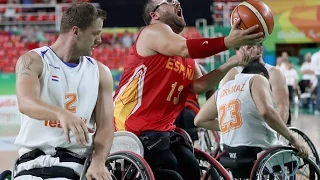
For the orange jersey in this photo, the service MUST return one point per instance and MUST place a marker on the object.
(152, 92)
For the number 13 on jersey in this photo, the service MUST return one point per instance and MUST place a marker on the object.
(235, 122)
(174, 89)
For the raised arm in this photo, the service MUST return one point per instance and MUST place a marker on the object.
(104, 116)
(208, 114)
(202, 84)
(159, 38)
(262, 97)
(28, 70)
(280, 93)
(212, 90)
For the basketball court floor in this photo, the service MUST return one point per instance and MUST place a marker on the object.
(308, 123)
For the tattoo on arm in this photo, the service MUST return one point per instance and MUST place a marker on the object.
(23, 67)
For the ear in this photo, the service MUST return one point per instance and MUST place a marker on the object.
(75, 30)
(155, 15)
(261, 49)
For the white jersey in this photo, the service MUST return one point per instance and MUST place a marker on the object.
(240, 122)
(73, 87)
(240, 68)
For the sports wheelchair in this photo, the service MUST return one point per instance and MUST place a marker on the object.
(126, 161)
(280, 162)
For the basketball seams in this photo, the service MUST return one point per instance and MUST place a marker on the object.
(259, 16)
(241, 19)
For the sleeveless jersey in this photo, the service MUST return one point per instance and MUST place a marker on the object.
(240, 68)
(73, 87)
(240, 121)
(152, 92)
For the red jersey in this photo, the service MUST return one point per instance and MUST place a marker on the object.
(192, 102)
(152, 92)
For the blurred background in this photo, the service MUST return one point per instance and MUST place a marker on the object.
(28, 24)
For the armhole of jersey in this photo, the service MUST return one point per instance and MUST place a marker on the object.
(217, 94)
(250, 85)
(44, 65)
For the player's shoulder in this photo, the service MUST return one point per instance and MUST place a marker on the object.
(103, 68)
(258, 79)
(275, 72)
(155, 29)
(31, 56)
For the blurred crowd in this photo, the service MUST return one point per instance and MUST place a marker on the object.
(302, 79)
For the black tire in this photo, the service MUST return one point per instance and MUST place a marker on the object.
(213, 168)
(309, 142)
(142, 166)
(5, 175)
(268, 153)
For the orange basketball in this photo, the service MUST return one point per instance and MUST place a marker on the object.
(254, 12)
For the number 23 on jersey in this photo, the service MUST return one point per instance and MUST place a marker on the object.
(235, 122)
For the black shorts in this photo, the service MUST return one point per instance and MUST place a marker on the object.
(170, 155)
(239, 160)
(185, 120)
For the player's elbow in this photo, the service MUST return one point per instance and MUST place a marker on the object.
(24, 104)
(197, 121)
(198, 87)
(267, 112)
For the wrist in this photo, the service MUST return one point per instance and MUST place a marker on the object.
(59, 113)
(99, 158)
(234, 61)
(228, 42)
(291, 139)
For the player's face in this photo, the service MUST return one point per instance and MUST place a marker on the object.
(171, 14)
(90, 38)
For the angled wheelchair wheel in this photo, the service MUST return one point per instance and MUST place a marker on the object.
(126, 165)
(210, 169)
(283, 163)
(5, 175)
(208, 141)
(310, 146)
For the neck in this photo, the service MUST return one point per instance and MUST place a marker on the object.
(64, 49)
(261, 61)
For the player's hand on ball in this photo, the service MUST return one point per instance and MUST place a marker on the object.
(238, 37)
(71, 122)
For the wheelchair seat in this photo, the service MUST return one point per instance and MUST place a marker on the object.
(126, 141)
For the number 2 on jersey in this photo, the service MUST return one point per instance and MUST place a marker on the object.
(173, 88)
(71, 99)
(236, 121)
